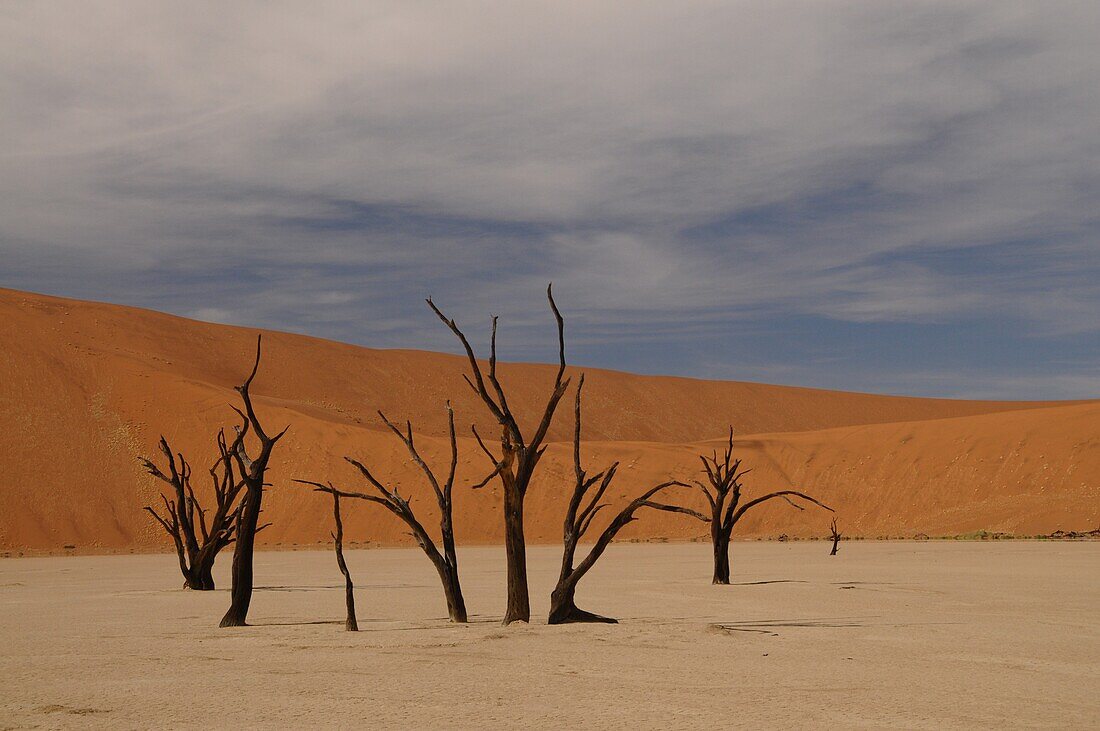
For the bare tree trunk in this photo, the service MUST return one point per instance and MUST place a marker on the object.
(835, 535)
(456, 604)
(583, 505)
(452, 587)
(350, 624)
(564, 609)
(241, 592)
(185, 569)
(184, 519)
(515, 549)
(452, 592)
(445, 563)
(519, 455)
(723, 494)
(721, 543)
(253, 472)
(191, 582)
(206, 574)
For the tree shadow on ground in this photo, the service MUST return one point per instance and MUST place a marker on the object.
(767, 626)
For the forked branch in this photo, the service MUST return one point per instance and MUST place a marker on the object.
(252, 471)
(588, 491)
(835, 535)
(722, 491)
(519, 456)
(445, 560)
(197, 540)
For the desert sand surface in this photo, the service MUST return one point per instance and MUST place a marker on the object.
(922, 635)
(87, 388)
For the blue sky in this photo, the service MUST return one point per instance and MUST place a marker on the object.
(898, 197)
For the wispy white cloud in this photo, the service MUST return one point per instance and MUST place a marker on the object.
(678, 169)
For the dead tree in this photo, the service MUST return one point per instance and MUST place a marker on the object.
(198, 541)
(445, 561)
(563, 607)
(835, 535)
(723, 494)
(519, 456)
(351, 625)
(252, 472)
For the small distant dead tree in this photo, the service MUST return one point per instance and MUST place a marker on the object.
(252, 472)
(197, 541)
(519, 455)
(578, 519)
(835, 535)
(351, 625)
(723, 494)
(445, 561)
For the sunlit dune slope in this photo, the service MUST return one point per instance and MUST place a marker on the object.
(85, 388)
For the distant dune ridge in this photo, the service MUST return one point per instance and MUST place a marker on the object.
(86, 388)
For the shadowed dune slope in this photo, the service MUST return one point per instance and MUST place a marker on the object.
(85, 388)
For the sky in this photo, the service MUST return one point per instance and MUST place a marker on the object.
(892, 197)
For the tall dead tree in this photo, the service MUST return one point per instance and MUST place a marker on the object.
(578, 519)
(519, 455)
(835, 535)
(723, 495)
(252, 472)
(445, 561)
(197, 540)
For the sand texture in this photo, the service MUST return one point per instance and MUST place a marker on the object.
(919, 635)
(86, 388)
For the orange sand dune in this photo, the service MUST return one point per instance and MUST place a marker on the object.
(85, 388)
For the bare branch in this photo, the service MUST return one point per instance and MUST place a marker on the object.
(519, 457)
(481, 443)
(159, 519)
(781, 493)
(446, 562)
(676, 509)
(584, 522)
(577, 522)
(371, 478)
(586, 515)
(453, 440)
(475, 369)
(706, 493)
(502, 399)
(792, 503)
(320, 487)
(485, 481)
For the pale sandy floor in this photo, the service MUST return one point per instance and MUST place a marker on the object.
(913, 635)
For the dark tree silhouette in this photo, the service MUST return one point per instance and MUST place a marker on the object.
(563, 607)
(519, 456)
(835, 535)
(445, 561)
(197, 540)
(252, 472)
(723, 494)
(350, 624)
